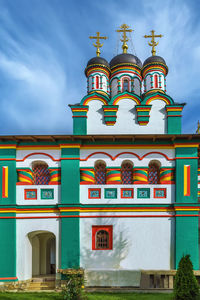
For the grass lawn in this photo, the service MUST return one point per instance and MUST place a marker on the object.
(92, 296)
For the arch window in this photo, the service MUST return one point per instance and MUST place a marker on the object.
(125, 85)
(127, 172)
(154, 172)
(102, 237)
(100, 172)
(41, 173)
(156, 81)
(97, 82)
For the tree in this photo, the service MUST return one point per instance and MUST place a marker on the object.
(186, 286)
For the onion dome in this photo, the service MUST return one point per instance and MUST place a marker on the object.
(98, 75)
(154, 74)
(154, 59)
(125, 58)
(98, 61)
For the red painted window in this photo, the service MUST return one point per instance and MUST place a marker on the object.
(127, 173)
(153, 174)
(156, 81)
(100, 173)
(97, 82)
(41, 173)
(102, 237)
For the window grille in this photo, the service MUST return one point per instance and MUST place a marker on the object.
(102, 239)
(100, 173)
(127, 173)
(41, 174)
(153, 176)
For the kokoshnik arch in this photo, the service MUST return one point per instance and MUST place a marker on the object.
(119, 195)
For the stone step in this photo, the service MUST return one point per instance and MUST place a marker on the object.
(42, 285)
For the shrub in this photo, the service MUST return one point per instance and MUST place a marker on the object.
(185, 286)
(73, 288)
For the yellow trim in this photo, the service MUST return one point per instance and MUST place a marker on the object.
(126, 147)
(7, 147)
(70, 146)
(6, 182)
(38, 147)
(185, 146)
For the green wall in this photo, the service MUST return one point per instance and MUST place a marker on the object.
(8, 248)
(174, 125)
(187, 238)
(186, 235)
(70, 182)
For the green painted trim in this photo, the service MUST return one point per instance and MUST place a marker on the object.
(43, 197)
(110, 193)
(143, 190)
(146, 98)
(125, 93)
(101, 96)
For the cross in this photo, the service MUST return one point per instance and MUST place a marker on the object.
(153, 43)
(124, 29)
(198, 128)
(98, 45)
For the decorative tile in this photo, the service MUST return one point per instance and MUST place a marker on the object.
(30, 194)
(110, 193)
(127, 193)
(94, 193)
(47, 194)
(143, 193)
(160, 193)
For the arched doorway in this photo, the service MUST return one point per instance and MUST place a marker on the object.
(43, 252)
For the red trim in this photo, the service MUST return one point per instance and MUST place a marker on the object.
(131, 153)
(30, 190)
(158, 189)
(79, 116)
(7, 159)
(92, 154)
(86, 183)
(174, 116)
(23, 183)
(8, 278)
(113, 182)
(91, 190)
(124, 189)
(37, 153)
(109, 230)
(129, 71)
(187, 157)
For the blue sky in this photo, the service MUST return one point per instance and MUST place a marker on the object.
(44, 48)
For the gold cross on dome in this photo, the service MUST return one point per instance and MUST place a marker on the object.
(124, 29)
(153, 43)
(98, 45)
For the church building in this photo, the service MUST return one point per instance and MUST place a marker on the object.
(118, 197)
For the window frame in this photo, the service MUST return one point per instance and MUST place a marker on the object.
(109, 230)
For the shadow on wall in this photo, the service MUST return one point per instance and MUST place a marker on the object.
(105, 259)
(100, 111)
